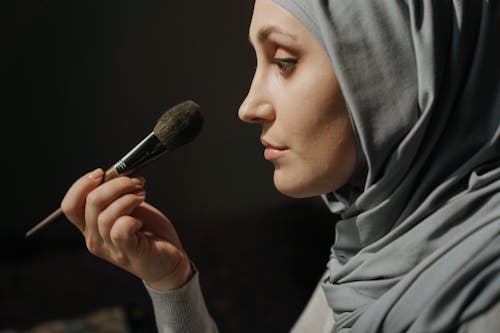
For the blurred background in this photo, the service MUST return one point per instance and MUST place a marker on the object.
(82, 83)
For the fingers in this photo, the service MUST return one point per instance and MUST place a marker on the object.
(123, 242)
(122, 206)
(120, 227)
(73, 203)
(124, 235)
(156, 223)
(117, 195)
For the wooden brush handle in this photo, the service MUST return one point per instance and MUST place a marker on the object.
(108, 175)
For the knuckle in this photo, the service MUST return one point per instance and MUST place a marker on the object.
(94, 197)
(92, 245)
(117, 235)
(120, 259)
(103, 220)
(67, 206)
(119, 232)
(123, 181)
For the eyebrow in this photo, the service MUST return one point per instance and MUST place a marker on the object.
(266, 31)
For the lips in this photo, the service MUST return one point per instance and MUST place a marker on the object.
(273, 151)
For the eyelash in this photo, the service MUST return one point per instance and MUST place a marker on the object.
(285, 65)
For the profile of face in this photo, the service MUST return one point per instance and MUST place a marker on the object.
(296, 99)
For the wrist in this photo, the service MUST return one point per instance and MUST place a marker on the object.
(179, 276)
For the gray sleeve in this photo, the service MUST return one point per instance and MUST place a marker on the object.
(182, 310)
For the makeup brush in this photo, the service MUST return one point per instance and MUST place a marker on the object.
(177, 126)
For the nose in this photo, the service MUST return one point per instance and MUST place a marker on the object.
(257, 108)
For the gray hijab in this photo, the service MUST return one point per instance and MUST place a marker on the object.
(418, 250)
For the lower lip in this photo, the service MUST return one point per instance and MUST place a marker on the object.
(273, 153)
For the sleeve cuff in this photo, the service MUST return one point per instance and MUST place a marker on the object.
(182, 310)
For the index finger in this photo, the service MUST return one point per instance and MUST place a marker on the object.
(73, 203)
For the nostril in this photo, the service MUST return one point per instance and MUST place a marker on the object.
(250, 119)
(254, 120)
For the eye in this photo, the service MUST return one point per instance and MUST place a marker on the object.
(285, 65)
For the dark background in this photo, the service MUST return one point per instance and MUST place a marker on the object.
(82, 83)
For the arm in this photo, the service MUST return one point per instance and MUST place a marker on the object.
(182, 310)
(120, 227)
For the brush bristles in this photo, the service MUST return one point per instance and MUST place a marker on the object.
(179, 125)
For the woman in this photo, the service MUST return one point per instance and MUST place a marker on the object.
(390, 110)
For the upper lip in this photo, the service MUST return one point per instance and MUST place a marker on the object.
(268, 144)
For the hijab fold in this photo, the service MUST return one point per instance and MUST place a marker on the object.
(418, 249)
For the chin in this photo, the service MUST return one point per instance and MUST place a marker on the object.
(294, 189)
(295, 186)
(293, 193)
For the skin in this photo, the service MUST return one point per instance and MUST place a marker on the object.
(294, 97)
(120, 227)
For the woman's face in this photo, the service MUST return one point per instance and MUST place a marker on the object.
(295, 97)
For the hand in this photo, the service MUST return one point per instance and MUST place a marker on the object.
(120, 227)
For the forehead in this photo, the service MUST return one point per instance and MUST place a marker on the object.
(269, 18)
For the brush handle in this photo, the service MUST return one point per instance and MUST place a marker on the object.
(109, 174)
(49, 219)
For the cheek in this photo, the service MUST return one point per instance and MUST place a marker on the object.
(322, 160)
(313, 95)
(336, 154)
(312, 116)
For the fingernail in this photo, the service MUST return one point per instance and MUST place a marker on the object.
(139, 180)
(96, 174)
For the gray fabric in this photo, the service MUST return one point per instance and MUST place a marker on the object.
(182, 310)
(488, 322)
(316, 317)
(419, 249)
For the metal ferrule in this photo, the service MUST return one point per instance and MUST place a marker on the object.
(145, 152)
